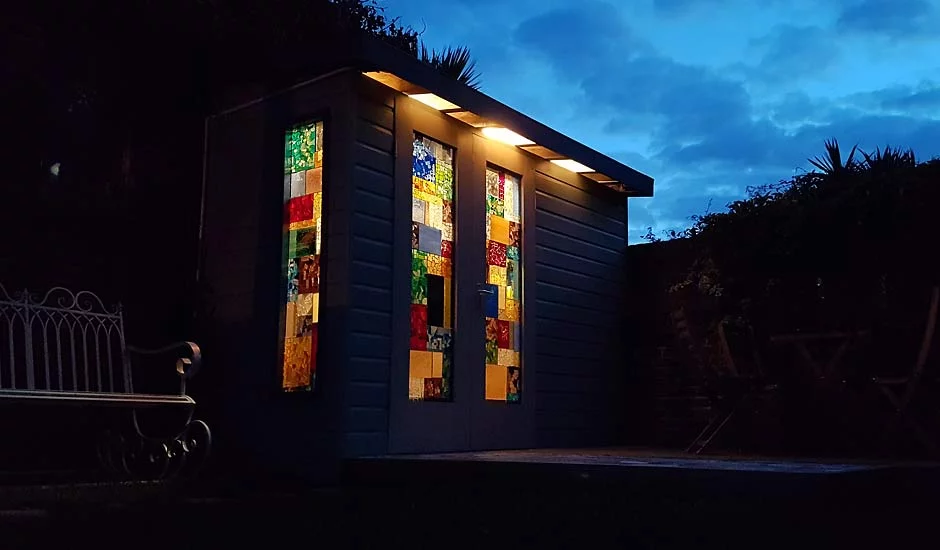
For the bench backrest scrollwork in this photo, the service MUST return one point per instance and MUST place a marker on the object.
(62, 341)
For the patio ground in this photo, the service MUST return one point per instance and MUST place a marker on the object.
(524, 499)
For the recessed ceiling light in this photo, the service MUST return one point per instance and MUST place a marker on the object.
(507, 136)
(572, 165)
(434, 101)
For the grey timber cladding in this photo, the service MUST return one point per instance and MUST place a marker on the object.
(241, 270)
(580, 244)
(370, 315)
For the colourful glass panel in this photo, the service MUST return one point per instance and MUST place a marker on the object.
(502, 308)
(431, 339)
(303, 213)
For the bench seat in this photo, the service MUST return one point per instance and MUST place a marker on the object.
(132, 400)
(68, 350)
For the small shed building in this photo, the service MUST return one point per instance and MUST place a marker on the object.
(398, 263)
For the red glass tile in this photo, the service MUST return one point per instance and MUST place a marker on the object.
(419, 327)
(504, 335)
(300, 209)
(496, 253)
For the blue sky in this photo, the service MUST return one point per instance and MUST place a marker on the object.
(706, 96)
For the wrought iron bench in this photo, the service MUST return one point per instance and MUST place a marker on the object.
(67, 349)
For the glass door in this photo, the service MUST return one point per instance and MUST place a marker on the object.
(431, 342)
(502, 292)
(502, 407)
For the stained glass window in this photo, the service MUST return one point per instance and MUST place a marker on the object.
(303, 213)
(430, 369)
(503, 303)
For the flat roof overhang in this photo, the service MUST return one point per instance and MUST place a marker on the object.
(402, 72)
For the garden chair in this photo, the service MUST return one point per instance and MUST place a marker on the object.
(730, 385)
(900, 390)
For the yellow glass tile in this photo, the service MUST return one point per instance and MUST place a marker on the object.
(420, 364)
(315, 308)
(496, 376)
(291, 320)
(314, 181)
(428, 197)
(297, 361)
(512, 310)
(318, 159)
(447, 267)
(304, 304)
(504, 357)
(447, 305)
(422, 185)
(510, 295)
(317, 205)
(501, 291)
(416, 388)
(516, 359)
(437, 364)
(434, 264)
(499, 229)
(497, 275)
(306, 224)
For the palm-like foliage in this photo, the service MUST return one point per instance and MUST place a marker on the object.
(889, 160)
(454, 62)
(832, 164)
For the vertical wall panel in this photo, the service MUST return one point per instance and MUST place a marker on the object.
(241, 270)
(580, 245)
(370, 317)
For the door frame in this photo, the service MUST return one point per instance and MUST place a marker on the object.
(429, 426)
(496, 424)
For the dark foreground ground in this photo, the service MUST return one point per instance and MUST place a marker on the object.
(534, 500)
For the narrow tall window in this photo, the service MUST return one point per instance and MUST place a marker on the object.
(503, 303)
(303, 213)
(430, 369)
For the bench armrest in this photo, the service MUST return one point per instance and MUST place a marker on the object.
(188, 362)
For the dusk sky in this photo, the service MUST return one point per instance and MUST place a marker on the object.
(706, 96)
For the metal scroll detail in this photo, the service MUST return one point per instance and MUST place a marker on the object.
(131, 454)
(61, 341)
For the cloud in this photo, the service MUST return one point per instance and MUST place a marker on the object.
(696, 116)
(923, 99)
(579, 37)
(681, 7)
(791, 52)
(785, 83)
(891, 18)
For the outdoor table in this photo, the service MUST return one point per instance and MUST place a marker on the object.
(843, 339)
(826, 373)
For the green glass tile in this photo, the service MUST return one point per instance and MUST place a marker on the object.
(492, 352)
(494, 205)
(444, 178)
(419, 279)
